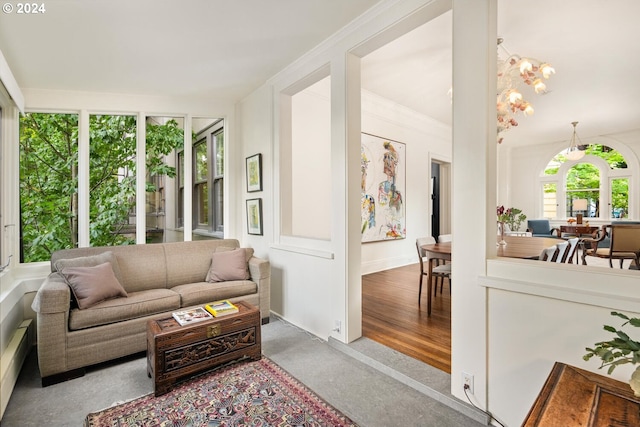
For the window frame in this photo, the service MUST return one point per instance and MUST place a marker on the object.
(213, 182)
(606, 175)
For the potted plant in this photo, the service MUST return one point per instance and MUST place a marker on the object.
(513, 217)
(619, 351)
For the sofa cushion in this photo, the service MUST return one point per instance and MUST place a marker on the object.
(189, 262)
(203, 292)
(228, 265)
(91, 285)
(137, 304)
(90, 261)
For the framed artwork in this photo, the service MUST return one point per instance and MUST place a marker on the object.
(254, 173)
(254, 216)
(383, 188)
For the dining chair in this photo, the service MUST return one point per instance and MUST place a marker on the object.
(443, 267)
(624, 243)
(549, 254)
(571, 251)
(561, 252)
(542, 228)
(439, 271)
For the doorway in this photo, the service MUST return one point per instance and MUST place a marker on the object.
(391, 108)
(440, 196)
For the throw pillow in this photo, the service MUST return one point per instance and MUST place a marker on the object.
(91, 261)
(247, 251)
(91, 285)
(228, 265)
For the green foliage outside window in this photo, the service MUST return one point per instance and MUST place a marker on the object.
(48, 183)
(49, 178)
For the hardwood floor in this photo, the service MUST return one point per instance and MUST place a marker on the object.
(391, 316)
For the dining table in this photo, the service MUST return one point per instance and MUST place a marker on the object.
(523, 247)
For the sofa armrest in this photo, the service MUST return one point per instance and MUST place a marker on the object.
(52, 304)
(54, 296)
(260, 271)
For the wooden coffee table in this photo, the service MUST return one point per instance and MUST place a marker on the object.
(177, 352)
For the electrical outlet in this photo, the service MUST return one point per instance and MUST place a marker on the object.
(338, 326)
(467, 382)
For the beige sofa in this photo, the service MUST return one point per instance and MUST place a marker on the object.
(158, 279)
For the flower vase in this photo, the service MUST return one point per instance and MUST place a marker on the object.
(501, 228)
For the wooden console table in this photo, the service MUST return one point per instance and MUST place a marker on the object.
(575, 397)
(578, 229)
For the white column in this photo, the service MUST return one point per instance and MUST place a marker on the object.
(474, 187)
(345, 164)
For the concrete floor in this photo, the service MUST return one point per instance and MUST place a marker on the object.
(373, 385)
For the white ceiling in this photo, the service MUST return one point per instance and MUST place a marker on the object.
(226, 49)
(593, 45)
(217, 48)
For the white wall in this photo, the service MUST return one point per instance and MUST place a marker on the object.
(311, 162)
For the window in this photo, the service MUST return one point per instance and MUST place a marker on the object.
(201, 183)
(619, 198)
(180, 222)
(583, 183)
(218, 181)
(601, 178)
(49, 180)
(112, 180)
(48, 184)
(208, 180)
(165, 135)
(550, 200)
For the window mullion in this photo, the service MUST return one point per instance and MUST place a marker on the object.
(83, 179)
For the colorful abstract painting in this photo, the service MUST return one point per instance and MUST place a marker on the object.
(382, 184)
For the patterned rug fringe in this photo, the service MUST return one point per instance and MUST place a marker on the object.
(256, 393)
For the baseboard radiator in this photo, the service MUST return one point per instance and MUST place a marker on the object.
(11, 362)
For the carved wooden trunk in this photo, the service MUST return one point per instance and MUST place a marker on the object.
(177, 352)
(575, 397)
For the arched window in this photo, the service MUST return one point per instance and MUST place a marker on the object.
(596, 186)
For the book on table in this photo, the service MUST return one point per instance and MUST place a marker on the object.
(221, 308)
(193, 315)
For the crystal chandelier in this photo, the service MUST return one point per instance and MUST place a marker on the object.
(574, 152)
(513, 72)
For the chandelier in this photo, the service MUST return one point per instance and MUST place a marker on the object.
(574, 152)
(513, 73)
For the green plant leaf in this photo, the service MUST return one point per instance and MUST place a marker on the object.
(615, 313)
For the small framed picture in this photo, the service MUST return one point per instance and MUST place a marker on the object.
(254, 173)
(254, 216)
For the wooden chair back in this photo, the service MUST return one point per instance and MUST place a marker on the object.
(571, 250)
(563, 248)
(444, 238)
(549, 254)
(421, 253)
(625, 238)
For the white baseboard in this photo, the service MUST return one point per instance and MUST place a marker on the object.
(11, 363)
(374, 266)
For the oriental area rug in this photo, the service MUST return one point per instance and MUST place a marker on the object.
(256, 393)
